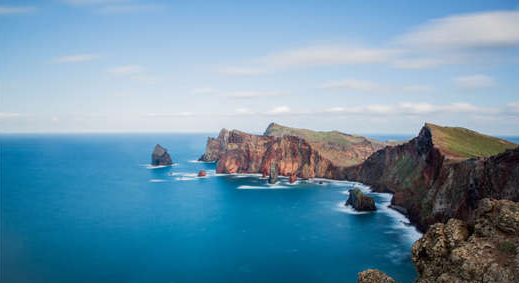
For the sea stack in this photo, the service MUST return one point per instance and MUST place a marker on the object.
(293, 178)
(360, 202)
(273, 177)
(202, 173)
(160, 156)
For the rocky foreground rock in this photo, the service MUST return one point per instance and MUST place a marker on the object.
(359, 201)
(483, 250)
(160, 156)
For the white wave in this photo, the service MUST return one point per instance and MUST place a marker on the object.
(185, 178)
(270, 187)
(293, 184)
(149, 166)
(347, 209)
(198, 161)
(157, 180)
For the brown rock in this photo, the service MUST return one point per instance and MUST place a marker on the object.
(202, 173)
(360, 202)
(374, 276)
(293, 178)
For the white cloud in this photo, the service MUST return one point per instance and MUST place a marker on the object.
(254, 94)
(369, 86)
(475, 81)
(279, 110)
(486, 29)
(179, 114)
(5, 10)
(126, 70)
(75, 58)
(203, 90)
(312, 56)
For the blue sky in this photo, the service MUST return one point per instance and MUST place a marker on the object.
(197, 66)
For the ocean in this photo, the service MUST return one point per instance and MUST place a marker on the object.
(89, 208)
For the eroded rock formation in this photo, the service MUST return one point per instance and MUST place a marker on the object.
(273, 177)
(160, 156)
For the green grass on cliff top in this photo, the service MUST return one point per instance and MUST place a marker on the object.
(315, 136)
(464, 143)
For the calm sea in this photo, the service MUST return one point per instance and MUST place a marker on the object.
(88, 208)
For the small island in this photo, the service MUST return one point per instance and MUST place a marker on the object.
(160, 156)
(360, 202)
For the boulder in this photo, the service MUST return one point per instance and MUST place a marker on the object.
(160, 156)
(360, 202)
(293, 178)
(202, 173)
(374, 276)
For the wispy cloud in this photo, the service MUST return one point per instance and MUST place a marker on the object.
(312, 56)
(134, 72)
(126, 70)
(369, 86)
(6, 10)
(7, 115)
(279, 110)
(475, 81)
(204, 90)
(129, 8)
(254, 94)
(92, 2)
(179, 114)
(486, 29)
(75, 58)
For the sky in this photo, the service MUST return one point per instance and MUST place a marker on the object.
(362, 67)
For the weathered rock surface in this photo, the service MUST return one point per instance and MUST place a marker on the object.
(292, 179)
(160, 156)
(433, 178)
(273, 177)
(360, 202)
(374, 276)
(483, 250)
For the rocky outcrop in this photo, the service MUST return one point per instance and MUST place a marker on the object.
(239, 152)
(160, 156)
(273, 177)
(303, 153)
(484, 249)
(360, 202)
(432, 177)
(292, 179)
(374, 276)
(202, 173)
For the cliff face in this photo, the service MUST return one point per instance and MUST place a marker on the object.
(433, 178)
(238, 152)
(297, 152)
(484, 249)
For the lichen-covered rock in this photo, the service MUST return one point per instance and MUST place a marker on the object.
(160, 156)
(484, 250)
(373, 276)
(360, 202)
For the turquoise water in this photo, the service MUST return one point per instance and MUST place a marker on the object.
(87, 208)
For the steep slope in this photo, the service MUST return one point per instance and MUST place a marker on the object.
(341, 149)
(433, 178)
